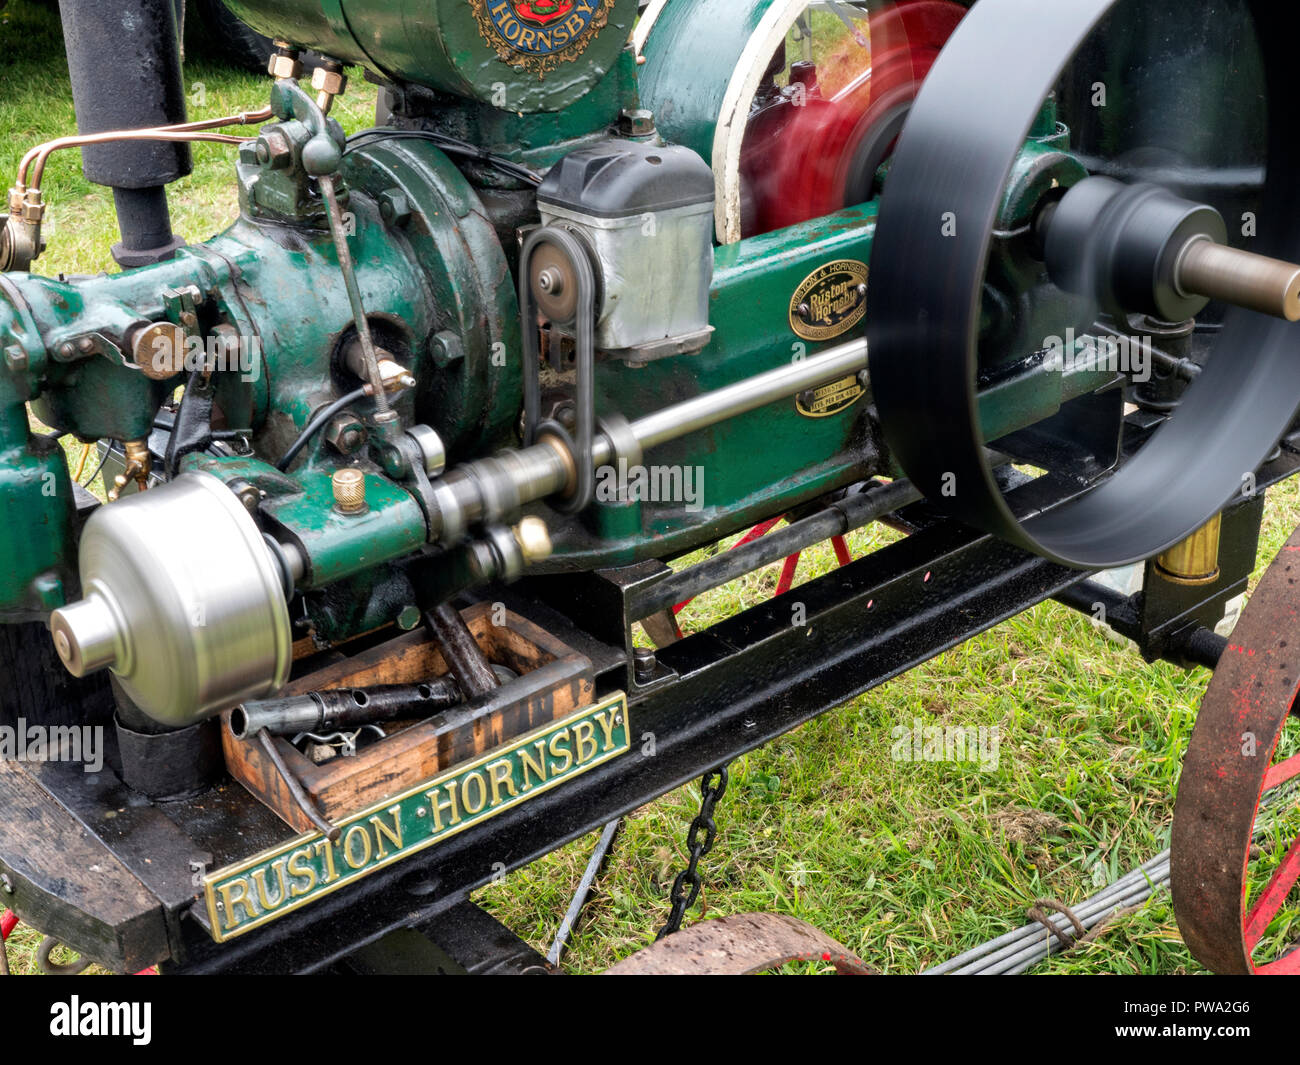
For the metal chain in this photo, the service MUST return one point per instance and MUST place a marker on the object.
(686, 888)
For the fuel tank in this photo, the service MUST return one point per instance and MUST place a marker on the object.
(518, 55)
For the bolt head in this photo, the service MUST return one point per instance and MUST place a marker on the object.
(274, 150)
(534, 539)
(394, 207)
(15, 359)
(636, 122)
(643, 663)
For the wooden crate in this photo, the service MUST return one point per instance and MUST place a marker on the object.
(554, 680)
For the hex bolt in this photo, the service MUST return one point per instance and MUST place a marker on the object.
(394, 208)
(274, 150)
(636, 122)
(6, 885)
(15, 359)
(644, 664)
(534, 539)
(344, 434)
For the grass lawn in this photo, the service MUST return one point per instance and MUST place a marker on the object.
(905, 863)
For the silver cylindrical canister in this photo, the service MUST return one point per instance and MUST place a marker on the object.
(182, 601)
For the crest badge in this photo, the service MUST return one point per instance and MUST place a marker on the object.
(538, 35)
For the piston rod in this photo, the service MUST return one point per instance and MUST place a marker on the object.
(490, 488)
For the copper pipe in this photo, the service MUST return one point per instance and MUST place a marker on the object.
(182, 132)
(46, 150)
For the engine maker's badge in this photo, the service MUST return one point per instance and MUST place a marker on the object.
(830, 301)
(539, 35)
(278, 881)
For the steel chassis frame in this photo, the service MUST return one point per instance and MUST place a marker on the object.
(713, 696)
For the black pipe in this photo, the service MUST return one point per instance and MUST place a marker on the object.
(461, 651)
(852, 512)
(343, 708)
(1193, 645)
(125, 65)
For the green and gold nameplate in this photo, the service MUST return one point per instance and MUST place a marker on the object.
(269, 885)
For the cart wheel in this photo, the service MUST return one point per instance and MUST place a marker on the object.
(1232, 878)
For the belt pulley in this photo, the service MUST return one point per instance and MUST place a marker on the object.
(936, 228)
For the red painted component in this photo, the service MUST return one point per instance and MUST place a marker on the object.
(787, 574)
(761, 529)
(797, 154)
(791, 563)
(1227, 772)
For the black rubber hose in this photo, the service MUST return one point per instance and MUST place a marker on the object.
(316, 425)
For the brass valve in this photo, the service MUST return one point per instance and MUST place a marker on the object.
(139, 464)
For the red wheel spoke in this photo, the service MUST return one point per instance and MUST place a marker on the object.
(1267, 905)
(761, 529)
(1282, 771)
(841, 550)
(787, 574)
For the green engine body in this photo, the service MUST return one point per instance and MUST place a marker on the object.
(435, 237)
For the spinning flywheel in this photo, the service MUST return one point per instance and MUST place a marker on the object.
(796, 105)
(1160, 232)
(831, 106)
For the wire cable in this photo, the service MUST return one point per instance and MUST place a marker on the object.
(450, 145)
(317, 424)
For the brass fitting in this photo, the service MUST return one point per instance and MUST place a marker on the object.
(534, 539)
(329, 81)
(394, 376)
(139, 464)
(349, 490)
(286, 62)
(1195, 560)
(33, 207)
(159, 350)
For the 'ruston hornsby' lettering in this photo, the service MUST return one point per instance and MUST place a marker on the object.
(286, 879)
(540, 39)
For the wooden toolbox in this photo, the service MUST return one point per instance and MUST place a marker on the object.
(552, 682)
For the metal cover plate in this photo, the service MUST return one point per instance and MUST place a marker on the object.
(277, 881)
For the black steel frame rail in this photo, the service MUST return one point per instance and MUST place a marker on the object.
(740, 684)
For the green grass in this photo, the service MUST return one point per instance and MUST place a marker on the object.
(907, 864)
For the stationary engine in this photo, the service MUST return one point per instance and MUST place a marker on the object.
(597, 292)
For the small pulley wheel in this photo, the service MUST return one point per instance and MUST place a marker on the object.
(936, 229)
(554, 282)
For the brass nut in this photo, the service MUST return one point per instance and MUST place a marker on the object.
(334, 82)
(349, 490)
(534, 539)
(285, 65)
